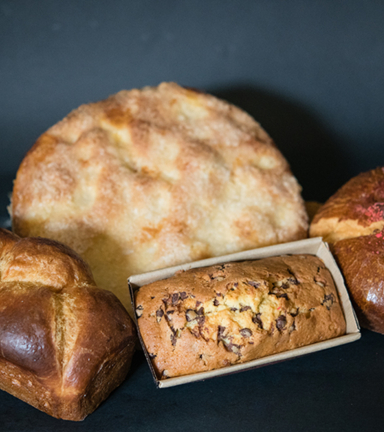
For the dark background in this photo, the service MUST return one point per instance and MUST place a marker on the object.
(311, 72)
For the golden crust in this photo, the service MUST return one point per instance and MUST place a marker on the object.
(208, 318)
(156, 177)
(65, 344)
(356, 209)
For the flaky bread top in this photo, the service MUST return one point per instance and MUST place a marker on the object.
(156, 177)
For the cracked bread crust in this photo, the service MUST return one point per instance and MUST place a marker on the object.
(156, 177)
(65, 344)
(208, 318)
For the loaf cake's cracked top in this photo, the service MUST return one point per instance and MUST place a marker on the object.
(153, 178)
(208, 318)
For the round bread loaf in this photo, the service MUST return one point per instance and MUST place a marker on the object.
(156, 177)
(356, 209)
(65, 344)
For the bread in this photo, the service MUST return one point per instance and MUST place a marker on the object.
(65, 344)
(356, 209)
(153, 178)
(352, 221)
(208, 318)
(361, 261)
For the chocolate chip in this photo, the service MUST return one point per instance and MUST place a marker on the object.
(166, 301)
(233, 309)
(281, 322)
(245, 308)
(190, 315)
(195, 331)
(220, 332)
(216, 302)
(278, 292)
(173, 340)
(246, 332)
(236, 284)
(201, 356)
(232, 347)
(200, 311)
(254, 284)
(152, 356)
(175, 298)
(152, 298)
(293, 281)
(170, 312)
(294, 313)
(328, 301)
(257, 320)
(200, 320)
(159, 315)
(198, 303)
(183, 295)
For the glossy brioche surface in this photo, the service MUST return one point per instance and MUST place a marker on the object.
(156, 177)
(65, 344)
(361, 259)
(212, 317)
(356, 209)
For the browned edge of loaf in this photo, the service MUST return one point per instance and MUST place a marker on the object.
(66, 344)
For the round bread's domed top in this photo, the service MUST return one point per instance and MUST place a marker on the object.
(156, 177)
(356, 209)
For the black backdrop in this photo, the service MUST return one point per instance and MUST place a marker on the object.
(311, 72)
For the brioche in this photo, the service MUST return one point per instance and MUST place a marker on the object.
(65, 344)
(356, 209)
(153, 178)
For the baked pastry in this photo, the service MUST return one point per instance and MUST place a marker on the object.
(352, 220)
(361, 262)
(153, 178)
(212, 317)
(356, 209)
(65, 344)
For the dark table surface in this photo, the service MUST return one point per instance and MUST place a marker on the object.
(310, 72)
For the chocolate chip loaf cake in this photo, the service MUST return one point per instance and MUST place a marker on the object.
(208, 318)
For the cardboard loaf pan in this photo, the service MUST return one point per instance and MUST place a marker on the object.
(314, 246)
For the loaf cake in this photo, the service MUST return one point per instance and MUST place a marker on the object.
(65, 344)
(156, 177)
(208, 318)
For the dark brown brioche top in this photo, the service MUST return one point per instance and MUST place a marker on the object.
(55, 324)
(361, 199)
(357, 208)
(361, 261)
